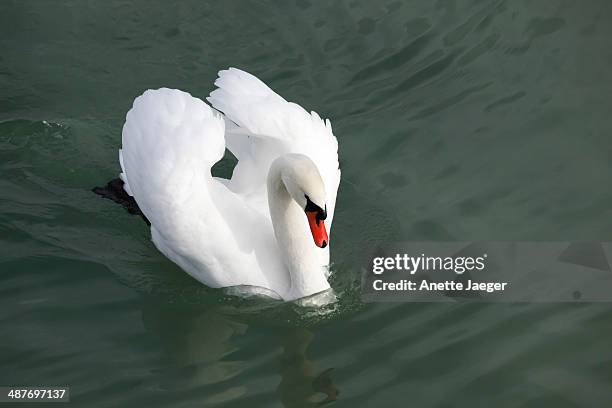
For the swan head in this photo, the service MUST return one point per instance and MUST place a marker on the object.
(305, 185)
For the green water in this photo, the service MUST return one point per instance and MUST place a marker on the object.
(456, 120)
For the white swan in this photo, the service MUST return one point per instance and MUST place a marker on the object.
(267, 226)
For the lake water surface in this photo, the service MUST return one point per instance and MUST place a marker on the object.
(456, 120)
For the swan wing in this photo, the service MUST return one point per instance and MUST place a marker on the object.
(262, 126)
(170, 141)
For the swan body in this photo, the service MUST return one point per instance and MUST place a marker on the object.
(267, 226)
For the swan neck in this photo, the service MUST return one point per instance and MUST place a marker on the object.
(305, 262)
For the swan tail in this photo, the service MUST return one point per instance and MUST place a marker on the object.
(170, 140)
(123, 176)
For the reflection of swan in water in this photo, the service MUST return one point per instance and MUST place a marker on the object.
(195, 343)
(198, 345)
(300, 386)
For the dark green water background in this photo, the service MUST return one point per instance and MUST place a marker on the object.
(457, 120)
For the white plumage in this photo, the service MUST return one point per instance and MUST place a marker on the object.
(222, 231)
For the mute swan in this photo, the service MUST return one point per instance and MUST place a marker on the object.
(265, 227)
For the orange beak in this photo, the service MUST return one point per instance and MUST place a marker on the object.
(317, 228)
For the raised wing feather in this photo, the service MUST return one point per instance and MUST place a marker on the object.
(170, 141)
(266, 126)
